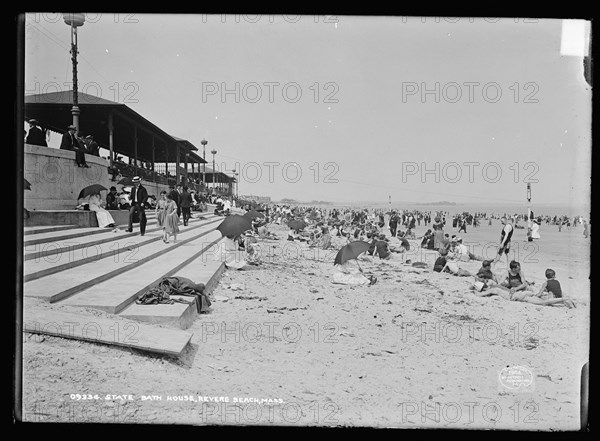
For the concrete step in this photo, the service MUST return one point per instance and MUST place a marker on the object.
(120, 291)
(204, 269)
(179, 315)
(201, 268)
(52, 236)
(59, 232)
(80, 218)
(46, 229)
(95, 251)
(64, 246)
(66, 283)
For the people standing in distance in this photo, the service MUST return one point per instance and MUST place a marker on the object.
(586, 229)
(139, 197)
(185, 205)
(393, 223)
(505, 236)
(175, 195)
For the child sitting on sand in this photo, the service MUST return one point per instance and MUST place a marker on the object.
(445, 265)
(440, 262)
(485, 274)
(550, 292)
(515, 281)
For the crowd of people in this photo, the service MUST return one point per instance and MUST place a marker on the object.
(71, 140)
(388, 233)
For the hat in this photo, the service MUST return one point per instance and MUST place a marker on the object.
(33, 121)
(136, 180)
(71, 127)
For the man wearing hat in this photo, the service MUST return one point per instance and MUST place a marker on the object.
(139, 197)
(91, 146)
(36, 135)
(71, 142)
(185, 205)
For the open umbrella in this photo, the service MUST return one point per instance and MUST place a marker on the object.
(234, 225)
(351, 251)
(26, 184)
(253, 214)
(91, 189)
(296, 224)
(125, 181)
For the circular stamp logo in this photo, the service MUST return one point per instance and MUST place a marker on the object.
(516, 377)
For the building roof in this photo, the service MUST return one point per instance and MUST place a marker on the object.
(53, 111)
(186, 143)
(219, 176)
(66, 97)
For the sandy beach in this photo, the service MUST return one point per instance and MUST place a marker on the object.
(283, 345)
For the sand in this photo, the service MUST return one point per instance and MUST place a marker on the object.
(417, 349)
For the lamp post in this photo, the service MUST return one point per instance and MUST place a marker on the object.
(204, 142)
(233, 187)
(214, 152)
(529, 222)
(74, 20)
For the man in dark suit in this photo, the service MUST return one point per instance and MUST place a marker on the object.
(176, 197)
(139, 198)
(70, 142)
(186, 204)
(36, 135)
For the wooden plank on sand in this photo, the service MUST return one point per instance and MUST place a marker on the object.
(117, 331)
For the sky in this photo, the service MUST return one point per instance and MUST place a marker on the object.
(345, 108)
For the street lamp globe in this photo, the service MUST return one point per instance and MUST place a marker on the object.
(74, 19)
(214, 152)
(204, 142)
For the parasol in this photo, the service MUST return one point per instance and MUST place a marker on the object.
(234, 225)
(351, 251)
(91, 189)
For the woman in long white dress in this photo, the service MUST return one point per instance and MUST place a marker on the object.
(104, 217)
(535, 230)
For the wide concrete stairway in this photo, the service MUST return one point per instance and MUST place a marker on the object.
(98, 268)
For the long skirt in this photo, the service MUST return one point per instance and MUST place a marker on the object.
(103, 216)
(160, 217)
(171, 224)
